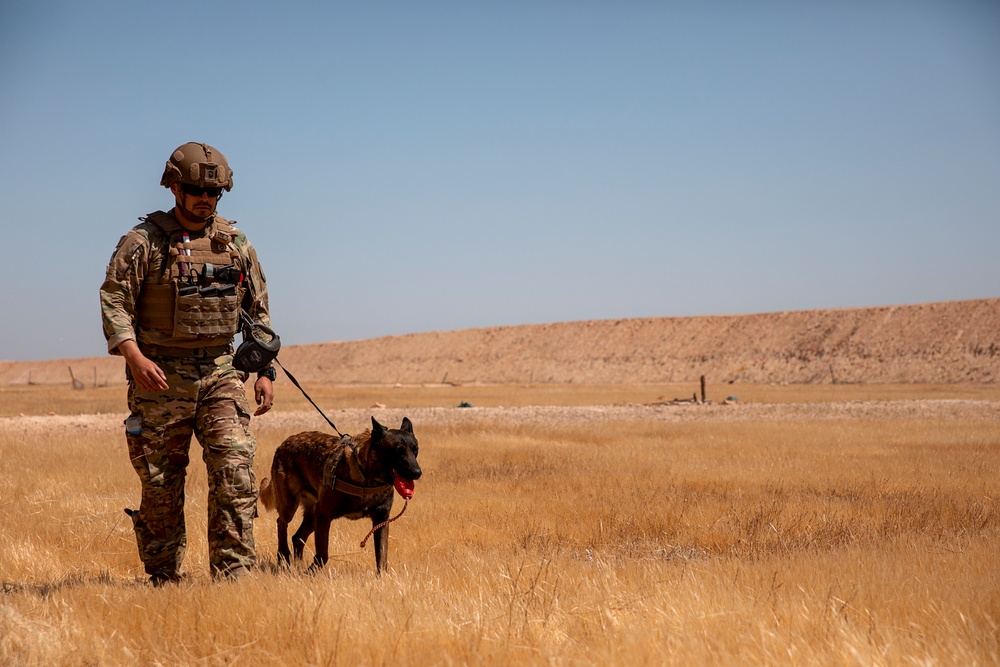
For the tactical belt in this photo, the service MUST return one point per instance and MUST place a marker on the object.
(196, 352)
(330, 478)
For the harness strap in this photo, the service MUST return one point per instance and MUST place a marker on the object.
(359, 491)
(331, 480)
(330, 470)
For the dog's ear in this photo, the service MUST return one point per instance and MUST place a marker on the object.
(407, 427)
(377, 430)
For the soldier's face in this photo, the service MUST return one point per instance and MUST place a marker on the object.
(199, 208)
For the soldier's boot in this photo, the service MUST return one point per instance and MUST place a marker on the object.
(230, 573)
(161, 579)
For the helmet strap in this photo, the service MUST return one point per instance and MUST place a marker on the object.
(190, 216)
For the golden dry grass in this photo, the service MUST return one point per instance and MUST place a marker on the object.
(800, 542)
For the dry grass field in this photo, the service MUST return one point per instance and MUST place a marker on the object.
(554, 524)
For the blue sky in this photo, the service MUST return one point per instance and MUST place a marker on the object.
(405, 167)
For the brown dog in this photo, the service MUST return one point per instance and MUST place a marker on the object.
(335, 477)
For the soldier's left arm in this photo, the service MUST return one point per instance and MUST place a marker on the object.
(255, 303)
(255, 297)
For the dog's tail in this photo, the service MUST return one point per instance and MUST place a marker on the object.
(266, 495)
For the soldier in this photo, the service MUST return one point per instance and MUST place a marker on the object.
(168, 313)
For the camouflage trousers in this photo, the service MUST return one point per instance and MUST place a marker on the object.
(207, 399)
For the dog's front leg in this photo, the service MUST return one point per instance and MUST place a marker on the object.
(381, 548)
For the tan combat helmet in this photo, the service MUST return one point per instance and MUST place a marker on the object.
(198, 164)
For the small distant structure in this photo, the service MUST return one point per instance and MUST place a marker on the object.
(694, 400)
(77, 384)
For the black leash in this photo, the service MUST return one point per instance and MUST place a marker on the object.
(296, 383)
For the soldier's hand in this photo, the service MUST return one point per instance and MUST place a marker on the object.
(149, 376)
(263, 393)
(146, 373)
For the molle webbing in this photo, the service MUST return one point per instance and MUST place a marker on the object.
(156, 306)
(190, 316)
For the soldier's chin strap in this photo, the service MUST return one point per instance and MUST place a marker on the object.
(299, 387)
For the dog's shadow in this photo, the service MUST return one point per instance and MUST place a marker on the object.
(341, 565)
(46, 589)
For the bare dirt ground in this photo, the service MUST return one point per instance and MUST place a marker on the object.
(944, 343)
(295, 420)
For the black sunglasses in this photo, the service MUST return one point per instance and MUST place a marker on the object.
(196, 191)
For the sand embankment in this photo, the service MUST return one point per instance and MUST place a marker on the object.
(947, 342)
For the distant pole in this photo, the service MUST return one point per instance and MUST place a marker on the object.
(702, 388)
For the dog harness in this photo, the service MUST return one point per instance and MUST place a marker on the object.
(331, 480)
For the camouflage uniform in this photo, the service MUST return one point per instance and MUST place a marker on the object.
(206, 398)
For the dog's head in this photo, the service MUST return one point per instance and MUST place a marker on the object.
(397, 449)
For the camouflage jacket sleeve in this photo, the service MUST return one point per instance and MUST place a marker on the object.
(255, 298)
(125, 273)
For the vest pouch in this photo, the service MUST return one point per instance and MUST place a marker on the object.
(197, 315)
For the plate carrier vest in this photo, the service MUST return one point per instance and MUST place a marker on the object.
(200, 318)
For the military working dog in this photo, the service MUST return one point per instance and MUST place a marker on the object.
(334, 477)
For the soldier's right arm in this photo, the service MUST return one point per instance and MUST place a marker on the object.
(119, 293)
(120, 290)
